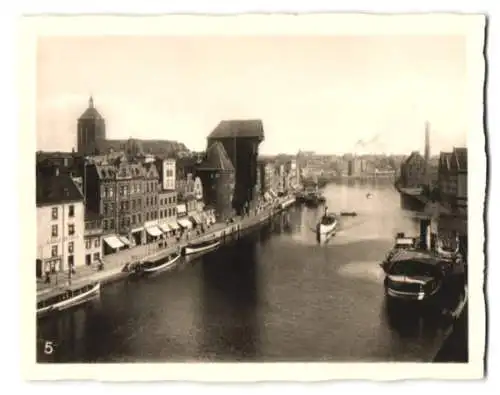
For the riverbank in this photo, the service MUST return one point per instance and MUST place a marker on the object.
(113, 264)
(455, 347)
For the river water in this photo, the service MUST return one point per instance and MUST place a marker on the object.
(271, 295)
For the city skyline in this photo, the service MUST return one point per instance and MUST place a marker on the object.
(182, 91)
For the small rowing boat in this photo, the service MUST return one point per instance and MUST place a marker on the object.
(348, 214)
(159, 265)
(194, 248)
(70, 298)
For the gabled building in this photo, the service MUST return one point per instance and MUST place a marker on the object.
(60, 224)
(93, 238)
(150, 192)
(414, 171)
(167, 196)
(241, 140)
(452, 177)
(217, 175)
(125, 196)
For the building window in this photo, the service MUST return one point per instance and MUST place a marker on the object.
(111, 192)
(161, 214)
(147, 216)
(71, 247)
(97, 256)
(71, 229)
(54, 230)
(111, 223)
(88, 244)
(54, 251)
(105, 224)
(55, 211)
(139, 218)
(97, 242)
(133, 219)
(71, 211)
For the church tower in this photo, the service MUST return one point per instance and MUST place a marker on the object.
(91, 131)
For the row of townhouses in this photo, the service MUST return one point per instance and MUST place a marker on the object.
(91, 204)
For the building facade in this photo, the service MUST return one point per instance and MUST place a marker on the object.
(217, 175)
(241, 140)
(414, 171)
(60, 224)
(93, 238)
(167, 196)
(452, 177)
(167, 211)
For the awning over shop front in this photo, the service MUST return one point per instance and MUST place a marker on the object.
(198, 218)
(165, 228)
(124, 240)
(185, 223)
(203, 218)
(113, 241)
(174, 225)
(154, 231)
(181, 209)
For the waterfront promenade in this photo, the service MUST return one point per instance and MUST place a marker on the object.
(114, 263)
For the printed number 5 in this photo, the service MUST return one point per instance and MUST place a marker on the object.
(49, 348)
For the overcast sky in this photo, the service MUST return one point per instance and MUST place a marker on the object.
(312, 93)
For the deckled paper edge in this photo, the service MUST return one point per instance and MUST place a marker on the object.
(472, 26)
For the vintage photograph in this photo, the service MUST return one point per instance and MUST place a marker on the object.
(258, 198)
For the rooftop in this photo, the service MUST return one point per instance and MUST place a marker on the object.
(239, 128)
(91, 112)
(461, 158)
(56, 189)
(216, 158)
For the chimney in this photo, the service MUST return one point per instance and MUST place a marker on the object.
(427, 153)
(427, 143)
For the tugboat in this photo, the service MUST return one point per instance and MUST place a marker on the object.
(326, 227)
(401, 243)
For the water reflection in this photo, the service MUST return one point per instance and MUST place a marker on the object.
(272, 295)
(229, 302)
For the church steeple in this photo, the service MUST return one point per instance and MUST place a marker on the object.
(91, 131)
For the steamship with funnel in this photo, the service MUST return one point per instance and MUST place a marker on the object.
(326, 227)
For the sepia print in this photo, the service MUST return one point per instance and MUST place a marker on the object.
(255, 189)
